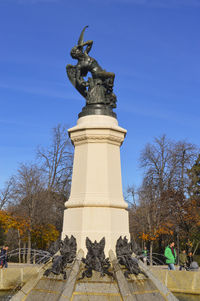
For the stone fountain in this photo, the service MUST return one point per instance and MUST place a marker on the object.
(94, 260)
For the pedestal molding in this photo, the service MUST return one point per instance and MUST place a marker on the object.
(91, 135)
(82, 139)
(95, 205)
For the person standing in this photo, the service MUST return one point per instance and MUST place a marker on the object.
(144, 255)
(4, 257)
(170, 255)
(1, 257)
(183, 260)
(189, 259)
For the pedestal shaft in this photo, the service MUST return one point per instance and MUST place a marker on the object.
(96, 207)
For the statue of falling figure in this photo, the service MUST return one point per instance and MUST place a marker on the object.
(98, 89)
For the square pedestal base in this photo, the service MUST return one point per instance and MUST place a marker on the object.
(96, 223)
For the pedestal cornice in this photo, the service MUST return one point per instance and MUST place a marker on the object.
(97, 129)
(92, 135)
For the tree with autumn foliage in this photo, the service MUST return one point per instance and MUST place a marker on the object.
(193, 212)
(56, 165)
(147, 219)
(41, 234)
(163, 208)
(9, 222)
(31, 204)
(37, 192)
(194, 180)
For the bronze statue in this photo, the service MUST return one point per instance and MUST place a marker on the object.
(95, 259)
(124, 250)
(67, 249)
(98, 89)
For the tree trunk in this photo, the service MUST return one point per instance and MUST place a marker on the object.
(160, 245)
(34, 256)
(151, 251)
(19, 244)
(24, 252)
(29, 248)
(178, 247)
(196, 247)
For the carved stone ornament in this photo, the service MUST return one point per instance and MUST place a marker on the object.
(95, 259)
(97, 89)
(124, 255)
(68, 248)
(111, 139)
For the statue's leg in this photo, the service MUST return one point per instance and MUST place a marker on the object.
(126, 274)
(47, 272)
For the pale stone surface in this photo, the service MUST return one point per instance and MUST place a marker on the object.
(166, 293)
(179, 281)
(96, 207)
(11, 277)
(71, 280)
(96, 223)
(96, 288)
(30, 284)
(96, 179)
(121, 280)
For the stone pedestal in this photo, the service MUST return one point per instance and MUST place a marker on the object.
(96, 207)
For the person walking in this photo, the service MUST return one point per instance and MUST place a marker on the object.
(170, 255)
(183, 260)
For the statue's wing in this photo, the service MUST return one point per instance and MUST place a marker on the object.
(71, 73)
(102, 243)
(88, 244)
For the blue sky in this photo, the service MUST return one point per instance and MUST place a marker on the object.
(153, 47)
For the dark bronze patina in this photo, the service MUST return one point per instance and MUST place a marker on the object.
(67, 249)
(124, 250)
(98, 89)
(95, 259)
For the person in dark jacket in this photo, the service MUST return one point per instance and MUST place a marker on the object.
(4, 257)
(1, 258)
(170, 255)
(183, 260)
(189, 259)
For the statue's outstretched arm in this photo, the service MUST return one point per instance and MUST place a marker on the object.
(89, 44)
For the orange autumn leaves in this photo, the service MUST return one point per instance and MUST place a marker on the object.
(155, 233)
(190, 215)
(42, 235)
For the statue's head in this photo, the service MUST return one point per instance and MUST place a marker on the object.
(76, 52)
(95, 248)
